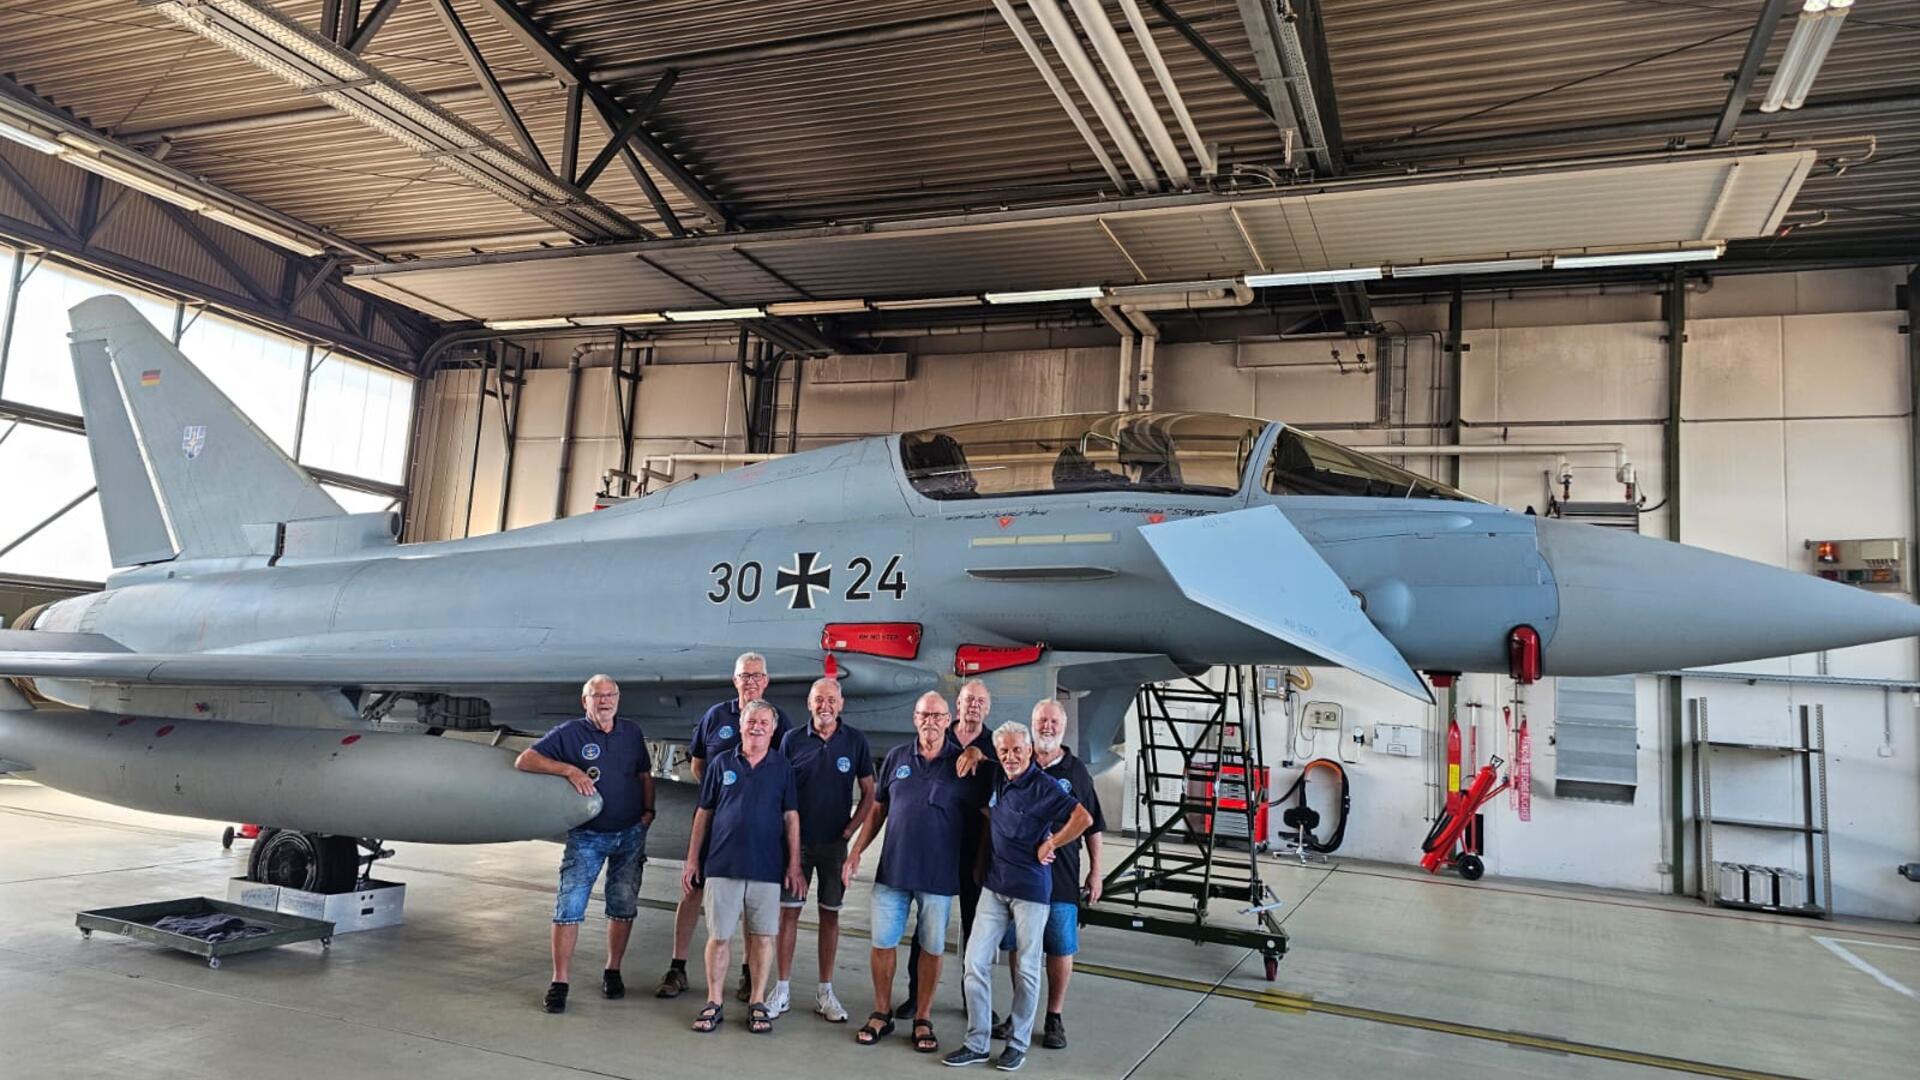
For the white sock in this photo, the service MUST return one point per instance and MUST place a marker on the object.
(782, 988)
(825, 989)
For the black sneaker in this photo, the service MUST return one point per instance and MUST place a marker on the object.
(1003, 1029)
(556, 998)
(611, 985)
(963, 1056)
(1055, 1035)
(1010, 1060)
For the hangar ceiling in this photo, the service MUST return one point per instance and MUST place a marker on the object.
(783, 115)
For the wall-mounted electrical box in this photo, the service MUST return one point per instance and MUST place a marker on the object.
(1400, 740)
(1324, 715)
(1879, 565)
(1272, 680)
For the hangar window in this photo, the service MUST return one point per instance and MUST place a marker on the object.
(1181, 453)
(1304, 464)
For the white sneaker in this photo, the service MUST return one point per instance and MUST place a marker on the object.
(827, 1005)
(778, 1001)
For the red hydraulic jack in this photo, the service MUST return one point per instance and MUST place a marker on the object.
(1454, 839)
(244, 832)
(1449, 841)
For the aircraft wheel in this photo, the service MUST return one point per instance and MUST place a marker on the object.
(314, 862)
(1471, 867)
(226, 838)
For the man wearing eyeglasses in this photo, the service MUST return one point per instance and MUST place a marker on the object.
(606, 755)
(923, 803)
(717, 732)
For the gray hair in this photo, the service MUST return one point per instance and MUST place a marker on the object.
(586, 688)
(758, 705)
(1013, 728)
(976, 685)
(740, 662)
(1048, 703)
(824, 682)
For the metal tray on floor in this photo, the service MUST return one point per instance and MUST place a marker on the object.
(136, 921)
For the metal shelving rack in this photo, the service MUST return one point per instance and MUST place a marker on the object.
(1811, 753)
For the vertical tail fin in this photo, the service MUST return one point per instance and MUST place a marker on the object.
(181, 470)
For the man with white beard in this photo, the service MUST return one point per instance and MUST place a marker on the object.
(1062, 941)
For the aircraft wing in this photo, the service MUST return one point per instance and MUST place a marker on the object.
(1254, 567)
(413, 662)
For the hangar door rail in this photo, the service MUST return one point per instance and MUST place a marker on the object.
(1201, 784)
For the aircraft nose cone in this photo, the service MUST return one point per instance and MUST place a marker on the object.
(1631, 603)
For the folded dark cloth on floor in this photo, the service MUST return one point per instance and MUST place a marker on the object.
(211, 928)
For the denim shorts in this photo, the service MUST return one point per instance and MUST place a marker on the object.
(890, 918)
(1063, 931)
(623, 853)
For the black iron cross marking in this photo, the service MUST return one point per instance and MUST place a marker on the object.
(799, 581)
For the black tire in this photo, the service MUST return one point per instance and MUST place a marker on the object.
(1272, 967)
(313, 862)
(226, 839)
(1471, 867)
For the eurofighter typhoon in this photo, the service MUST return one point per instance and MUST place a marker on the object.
(241, 661)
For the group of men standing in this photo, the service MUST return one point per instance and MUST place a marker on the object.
(993, 820)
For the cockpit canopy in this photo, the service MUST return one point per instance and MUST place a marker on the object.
(1159, 452)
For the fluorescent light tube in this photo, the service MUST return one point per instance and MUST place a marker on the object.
(1817, 45)
(717, 315)
(14, 133)
(817, 307)
(1488, 266)
(1316, 277)
(1041, 296)
(1210, 285)
(263, 231)
(527, 324)
(1636, 258)
(926, 302)
(619, 320)
(127, 177)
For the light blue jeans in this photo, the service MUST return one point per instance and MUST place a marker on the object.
(1028, 918)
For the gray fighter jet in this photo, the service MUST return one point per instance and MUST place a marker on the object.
(241, 661)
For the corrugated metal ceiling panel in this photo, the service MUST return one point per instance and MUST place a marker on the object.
(1664, 202)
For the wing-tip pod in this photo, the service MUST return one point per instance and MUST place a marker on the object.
(1254, 567)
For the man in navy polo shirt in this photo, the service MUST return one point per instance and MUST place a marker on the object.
(969, 731)
(604, 754)
(717, 731)
(1062, 939)
(745, 845)
(923, 803)
(829, 760)
(1022, 843)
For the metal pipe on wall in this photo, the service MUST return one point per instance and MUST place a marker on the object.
(565, 469)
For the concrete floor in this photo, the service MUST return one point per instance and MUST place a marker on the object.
(1390, 972)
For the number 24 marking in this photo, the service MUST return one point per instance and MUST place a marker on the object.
(891, 580)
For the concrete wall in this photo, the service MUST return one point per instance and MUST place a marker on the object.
(1795, 427)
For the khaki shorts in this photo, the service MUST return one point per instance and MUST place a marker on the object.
(728, 898)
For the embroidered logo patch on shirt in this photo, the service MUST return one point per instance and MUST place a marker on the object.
(725, 732)
(902, 772)
(843, 765)
(590, 751)
(729, 777)
(1066, 785)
